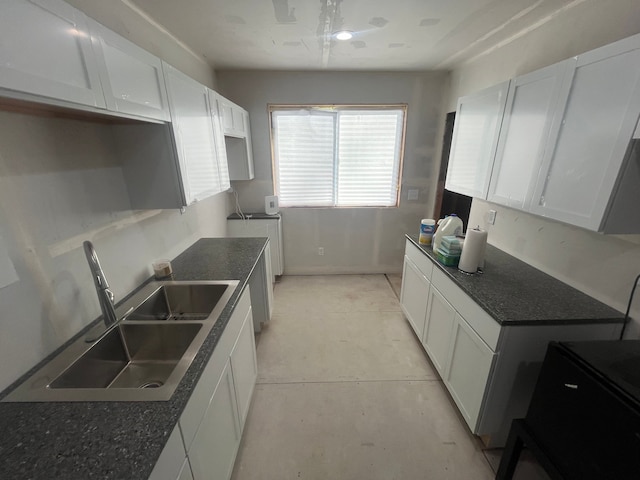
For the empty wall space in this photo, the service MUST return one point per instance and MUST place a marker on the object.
(355, 240)
(61, 182)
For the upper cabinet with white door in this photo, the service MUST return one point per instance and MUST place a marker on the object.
(45, 50)
(131, 77)
(532, 106)
(475, 137)
(587, 178)
(237, 135)
(193, 130)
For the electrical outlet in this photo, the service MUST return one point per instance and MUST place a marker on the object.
(491, 217)
(320, 251)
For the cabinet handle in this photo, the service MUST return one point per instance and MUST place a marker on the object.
(573, 386)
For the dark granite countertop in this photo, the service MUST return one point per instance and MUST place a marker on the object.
(118, 440)
(515, 293)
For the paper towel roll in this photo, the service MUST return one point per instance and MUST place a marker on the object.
(473, 250)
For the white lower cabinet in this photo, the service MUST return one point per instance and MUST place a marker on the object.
(490, 369)
(261, 227)
(172, 462)
(185, 471)
(438, 330)
(470, 362)
(244, 367)
(460, 355)
(414, 297)
(212, 421)
(261, 283)
(214, 447)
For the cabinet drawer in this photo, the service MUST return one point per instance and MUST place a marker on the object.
(419, 259)
(483, 324)
(592, 433)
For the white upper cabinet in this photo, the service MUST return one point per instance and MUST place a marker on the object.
(45, 50)
(234, 121)
(192, 126)
(131, 77)
(586, 179)
(532, 104)
(475, 137)
(218, 136)
(237, 136)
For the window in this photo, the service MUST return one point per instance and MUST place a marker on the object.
(337, 156)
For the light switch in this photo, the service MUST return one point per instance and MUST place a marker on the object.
(491, 217)
(413, 194)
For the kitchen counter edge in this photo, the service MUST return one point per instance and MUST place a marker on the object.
(510, 291)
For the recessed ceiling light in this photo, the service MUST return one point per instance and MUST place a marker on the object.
(344, 35)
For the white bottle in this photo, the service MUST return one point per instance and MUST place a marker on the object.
(450, 225)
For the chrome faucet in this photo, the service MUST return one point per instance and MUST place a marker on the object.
(105, 296)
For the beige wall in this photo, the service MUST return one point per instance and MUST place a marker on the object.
(602, 266)
(61, 182)
(355, 240)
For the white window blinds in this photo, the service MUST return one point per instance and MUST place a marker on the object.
(342, 156)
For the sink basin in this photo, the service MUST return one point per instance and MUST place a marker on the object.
(180, 302)
(130, 356)
(143, 357)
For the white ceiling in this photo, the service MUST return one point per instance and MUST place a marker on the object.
(388, 34)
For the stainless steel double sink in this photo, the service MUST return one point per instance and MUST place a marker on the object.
(141, 358)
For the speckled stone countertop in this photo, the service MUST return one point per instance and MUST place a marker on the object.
(515, 293)
(118, 440)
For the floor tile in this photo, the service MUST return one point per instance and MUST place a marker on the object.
(334, 294)
(357, 430)
(339, 347)
(395, 279)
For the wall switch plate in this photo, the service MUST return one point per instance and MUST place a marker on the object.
(320, 251)
(412, 194)
(491, 217)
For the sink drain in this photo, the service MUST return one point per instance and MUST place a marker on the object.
(151, 385)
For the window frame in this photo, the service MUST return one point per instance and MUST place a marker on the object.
(271, 107)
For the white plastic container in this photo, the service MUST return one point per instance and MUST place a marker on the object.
(450, 225)
(427, 229)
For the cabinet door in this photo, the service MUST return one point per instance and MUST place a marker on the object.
(215, 445)
(414, 296)
(193, 131)
(269, 279)
(531, 105)
(225, 108)
(475, 137)
(581, 168)
(131, 77)
(273, 230)
(46, 50)
(218, 136)
(185, 473)
(468, 371)
(172, 459)
(239, 125)
(438, 330)
(244, 367)
(247, 130)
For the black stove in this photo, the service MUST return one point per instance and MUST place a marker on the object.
(616, 360)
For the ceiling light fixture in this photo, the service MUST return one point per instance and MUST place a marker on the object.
(344, 35)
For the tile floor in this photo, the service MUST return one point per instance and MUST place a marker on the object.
(345, 391)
